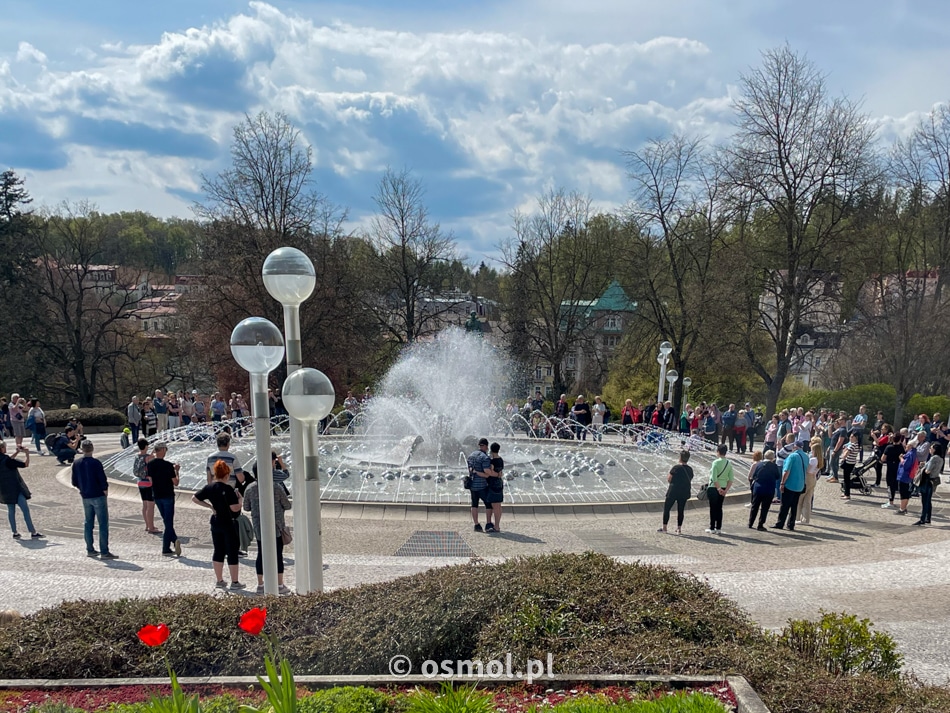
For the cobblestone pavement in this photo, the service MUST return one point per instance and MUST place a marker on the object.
(853, 557)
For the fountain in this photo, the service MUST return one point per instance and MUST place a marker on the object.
(409, 444)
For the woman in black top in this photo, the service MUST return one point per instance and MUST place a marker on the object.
(225, 501)
(892, 459)
(680, 480)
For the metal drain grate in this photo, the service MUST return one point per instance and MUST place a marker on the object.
(435, 543)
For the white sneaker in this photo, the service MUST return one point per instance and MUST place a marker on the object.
(887, 506)
(710, 531)
(748, 505)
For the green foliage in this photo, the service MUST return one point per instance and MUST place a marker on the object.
(87, 416)
(56, 707)
(464, 699)
(877, 397)
(929, 405)
(346, 699)
(177, 702)
(844, 645)
(280, 689)
(678, 702)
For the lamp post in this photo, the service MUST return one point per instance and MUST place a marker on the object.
(671, 376)
(290, 278)
(665, 350)
(258, 348)
(687, 382)
(309, 396)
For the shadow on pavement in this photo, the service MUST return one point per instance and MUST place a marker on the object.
(515, 537)
(125, 566)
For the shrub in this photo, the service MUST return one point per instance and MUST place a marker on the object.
(346, 699)
(464, 699)
(927, 404)
(844, 645)
(88, 416)
(877, 397)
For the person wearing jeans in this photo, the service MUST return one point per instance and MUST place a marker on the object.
(164, 477)
(720, 480)
(926, 484)
(89, 478)
(792, 485)
(13, 491)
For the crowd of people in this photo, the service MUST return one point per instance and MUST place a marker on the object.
(166, 410)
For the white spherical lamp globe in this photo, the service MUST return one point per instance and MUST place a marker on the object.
(308, 395)
(289, 276)
(257, 345)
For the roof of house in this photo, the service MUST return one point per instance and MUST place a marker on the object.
(614, 299)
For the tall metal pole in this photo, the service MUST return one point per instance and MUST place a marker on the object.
(265, 481)
(662, 360)
(301, 513)
(312, 495)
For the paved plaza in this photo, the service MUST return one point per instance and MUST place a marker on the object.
(854, 556)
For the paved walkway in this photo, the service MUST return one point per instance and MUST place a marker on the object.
(854, 557)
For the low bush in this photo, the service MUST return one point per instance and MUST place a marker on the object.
(927, 404)
(56, 418)
(589, 612)
(844, 645)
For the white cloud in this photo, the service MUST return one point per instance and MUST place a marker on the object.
(549, 100)
(28, 53)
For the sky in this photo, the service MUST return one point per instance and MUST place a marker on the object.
(488, 102)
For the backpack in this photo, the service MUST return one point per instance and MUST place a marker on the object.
(50, 440)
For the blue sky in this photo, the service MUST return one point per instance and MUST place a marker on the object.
(490, 103)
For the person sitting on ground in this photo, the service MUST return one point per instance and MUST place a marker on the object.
(66, 446)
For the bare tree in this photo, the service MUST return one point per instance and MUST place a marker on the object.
(798, 159)
(408, 249)
(556, 261)
(87, 303)
(679, 219)
(269, 184)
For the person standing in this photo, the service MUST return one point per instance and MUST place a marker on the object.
(13, 490)
(89, 477)
(160, 406)
(858, 424)
(764, 478)
(174, 411)
(201, 412)
(17, 419)
(849, 462)
(740, 430)
(582, 417)
(815, 464)
(218, 407)
(479, 470)
(598, 412)
(164, 478)
(223, 454)
(140, 471)
(839, 438)
(496, 488)
(133, 412)
(728, 420)
(720, 480)
(187, 404)
(792, 486)
(905, 475)
(680, 479)
(37, 417)
(892, 457)
(927, 481)
(252, 504)
(225, 503)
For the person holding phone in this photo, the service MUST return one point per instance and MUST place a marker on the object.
(13, 490)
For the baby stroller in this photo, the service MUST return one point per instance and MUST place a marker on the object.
(857, 477)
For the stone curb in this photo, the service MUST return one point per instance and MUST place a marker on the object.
(747, 699)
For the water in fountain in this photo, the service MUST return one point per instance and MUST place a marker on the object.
(437, 396)
(411, 441)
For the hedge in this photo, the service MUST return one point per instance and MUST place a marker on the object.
(88, 416)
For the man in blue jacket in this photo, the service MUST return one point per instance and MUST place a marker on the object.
(90, 478)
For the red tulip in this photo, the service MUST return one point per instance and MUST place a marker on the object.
(253, 621)
(152, 635)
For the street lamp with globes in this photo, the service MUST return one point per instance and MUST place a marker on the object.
(289, 277)
(665, 350)
(671, 376)
(309, 396)
(258, 348)
(687, 382)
